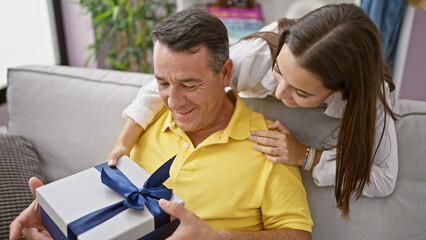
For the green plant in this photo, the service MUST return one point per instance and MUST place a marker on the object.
(122, 31)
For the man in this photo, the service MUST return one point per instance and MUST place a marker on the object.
(232, 190)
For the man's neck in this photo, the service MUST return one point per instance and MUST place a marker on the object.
(224, 117)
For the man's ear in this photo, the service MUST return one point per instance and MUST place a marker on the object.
(227, 71)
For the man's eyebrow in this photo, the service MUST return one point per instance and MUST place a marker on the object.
(190, 80)
(182, 80)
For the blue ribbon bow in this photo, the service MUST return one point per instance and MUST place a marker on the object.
(135, 198)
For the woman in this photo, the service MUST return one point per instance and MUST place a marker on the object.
(333, 56)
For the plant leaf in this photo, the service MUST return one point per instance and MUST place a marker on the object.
(102, 16)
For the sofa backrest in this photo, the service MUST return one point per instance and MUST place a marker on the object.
(73, 116)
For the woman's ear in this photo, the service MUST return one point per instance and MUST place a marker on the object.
(227, 71)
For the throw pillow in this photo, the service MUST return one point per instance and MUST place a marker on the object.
(18, 163)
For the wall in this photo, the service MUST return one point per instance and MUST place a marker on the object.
(78, 32)
(79, 35)
(273, 9)
(413, 84)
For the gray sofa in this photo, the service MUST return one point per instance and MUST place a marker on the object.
(72, 116)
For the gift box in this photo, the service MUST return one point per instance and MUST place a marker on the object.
(108, 203)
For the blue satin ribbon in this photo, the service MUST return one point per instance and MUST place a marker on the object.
(135, 198)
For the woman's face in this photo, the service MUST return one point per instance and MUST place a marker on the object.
(296, 86)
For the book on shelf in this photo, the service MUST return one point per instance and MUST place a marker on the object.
(239, 22)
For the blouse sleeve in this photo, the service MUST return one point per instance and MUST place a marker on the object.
(385, 166)
(252, 71)
(146, 105)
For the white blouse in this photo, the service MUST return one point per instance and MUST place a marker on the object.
(252, 77)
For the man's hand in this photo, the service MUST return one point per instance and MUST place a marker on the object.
(29, 222)
(191, 226)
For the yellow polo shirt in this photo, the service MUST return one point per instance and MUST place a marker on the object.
(224, 181)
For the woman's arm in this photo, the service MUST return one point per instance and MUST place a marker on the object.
(385, 167)
(146, 105)
(281, 147)
(125, 141)
(383, 171)
(139, 114)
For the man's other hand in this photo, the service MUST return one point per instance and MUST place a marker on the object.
(191, 226)
(29, 221)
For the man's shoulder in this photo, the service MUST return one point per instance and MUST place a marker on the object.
(257, 121)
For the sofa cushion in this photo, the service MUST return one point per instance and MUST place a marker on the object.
(71, 115)
(18, 163)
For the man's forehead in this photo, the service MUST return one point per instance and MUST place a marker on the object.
(181, 73)
(189, 51)
(185, 64)
(178, 77)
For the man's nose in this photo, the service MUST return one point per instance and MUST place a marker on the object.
(176, 98)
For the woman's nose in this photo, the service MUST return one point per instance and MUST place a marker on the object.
(283, 91)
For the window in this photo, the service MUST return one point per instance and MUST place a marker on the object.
(28, 35)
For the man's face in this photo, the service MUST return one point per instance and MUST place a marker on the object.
(191, 91)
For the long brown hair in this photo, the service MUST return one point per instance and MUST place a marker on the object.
(341, 44)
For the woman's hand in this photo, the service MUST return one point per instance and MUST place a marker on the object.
(279, 146)
(116, 153)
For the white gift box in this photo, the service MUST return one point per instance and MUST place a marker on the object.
(75, 196)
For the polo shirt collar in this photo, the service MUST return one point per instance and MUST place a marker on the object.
(169, 123)
(239, 126)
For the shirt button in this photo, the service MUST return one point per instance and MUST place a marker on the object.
(185, 145)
